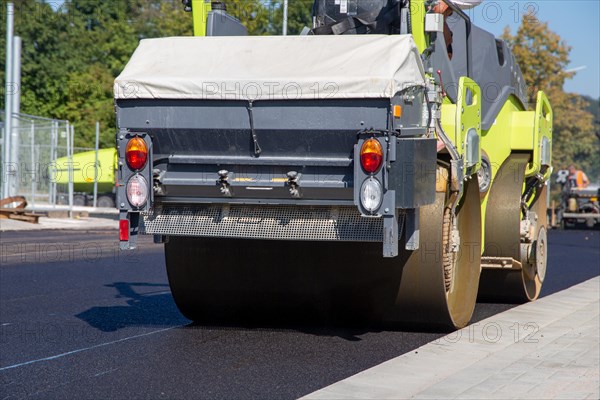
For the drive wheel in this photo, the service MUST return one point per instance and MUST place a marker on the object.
(183, 271)
(440, 280)
(503, 237)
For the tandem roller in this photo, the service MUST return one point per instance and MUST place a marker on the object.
(515, 255)
(360, 172)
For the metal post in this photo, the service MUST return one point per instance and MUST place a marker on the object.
(96, 165)
(8, 102)
(72, 178)
(15, 145)
(285, 17)
(70, 169)
(33, 165)
(53, 144)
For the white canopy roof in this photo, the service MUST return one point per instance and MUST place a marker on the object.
(271, 68)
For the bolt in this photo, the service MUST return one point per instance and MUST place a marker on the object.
(292, 175)
(387, 210)
(147, 122)
(121, 137)
(122, 205)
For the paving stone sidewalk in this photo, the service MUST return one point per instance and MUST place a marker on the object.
(548, 349)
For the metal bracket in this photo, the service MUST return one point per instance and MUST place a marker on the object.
(393, 225)
(134, 225)
(225, 187)
(457, 174)
(390, 235)
(161, 239)
(157, 176)
(412, 229)
(292, 182)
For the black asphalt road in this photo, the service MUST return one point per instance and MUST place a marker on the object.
(80, 320)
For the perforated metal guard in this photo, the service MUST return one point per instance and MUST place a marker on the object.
(263, 222)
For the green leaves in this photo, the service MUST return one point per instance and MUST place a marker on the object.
(299, 16)
(72, 54)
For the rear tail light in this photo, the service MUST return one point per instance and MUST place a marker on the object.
(136, 153)
(371, 155)
(137, 190)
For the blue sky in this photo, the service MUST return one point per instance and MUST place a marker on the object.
(576, 21)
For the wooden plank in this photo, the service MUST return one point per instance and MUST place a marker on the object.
(19, 214)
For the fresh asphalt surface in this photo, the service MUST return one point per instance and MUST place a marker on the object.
(78, 319)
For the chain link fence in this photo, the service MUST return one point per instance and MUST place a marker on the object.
(41, 167)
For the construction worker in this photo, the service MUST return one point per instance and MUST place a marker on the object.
(577, 178)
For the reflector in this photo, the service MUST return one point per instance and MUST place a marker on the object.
(124, 230)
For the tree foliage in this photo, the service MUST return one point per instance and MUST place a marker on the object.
(72, 54)
(543, 57)
(299, 16)
(254, 14)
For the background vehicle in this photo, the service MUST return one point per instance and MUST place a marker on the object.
(83, 177)
(355, 170)
(578, 205)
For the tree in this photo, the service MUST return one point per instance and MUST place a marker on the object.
(543, 57)
(253, 14)
(71, 55)
(299, 16)
(594, 108)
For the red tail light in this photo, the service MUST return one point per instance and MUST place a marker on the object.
(136, 153)
(371, 155)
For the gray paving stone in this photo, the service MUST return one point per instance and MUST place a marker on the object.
(498, 357)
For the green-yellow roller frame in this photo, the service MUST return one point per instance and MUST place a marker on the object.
(200, 10)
